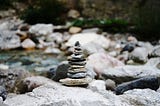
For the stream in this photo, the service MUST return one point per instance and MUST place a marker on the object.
(33, 60)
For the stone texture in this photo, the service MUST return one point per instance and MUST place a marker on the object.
(28, 44)
(55, 94)
(76, 74)
(110, 84)
(156, 51)
(141, 97)
(130, 72)
(9, 40)
(142, 83)
(101, 61)
(11, 78)
(60, 72)
(33, 82)
(3, 93)
(74, 30)
(97, 85)
(10, 24)
(41, 29)
(139, 54)
(55, 37)
(85, 38)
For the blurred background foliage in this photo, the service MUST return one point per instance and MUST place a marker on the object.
(141, 17)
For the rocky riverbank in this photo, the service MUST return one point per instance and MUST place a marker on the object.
(31, 53)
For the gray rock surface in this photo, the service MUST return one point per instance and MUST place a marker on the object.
(33, 82)
(9, 40)
(97, 85)
(54, 94)
(60, 72)
(3, 93)
(11, 78)
(139, 54)
(41, 29)
(139, 97)
(156, 51)
(142, 83)
(130, 72)
(101, 61)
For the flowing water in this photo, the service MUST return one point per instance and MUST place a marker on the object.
(34, 61)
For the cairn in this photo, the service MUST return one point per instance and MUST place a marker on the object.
(77, 75)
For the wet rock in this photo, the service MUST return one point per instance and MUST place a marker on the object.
(97, 85)
(41, 29)
(130, 72)
(110, 84)
(142, 83)
(9, 40)
(76, 74)
(60, 72)
(73, 13)
(101, 61)
(85, 38)
(74, 30)
(3, 93)
(139, 55)
(28, 44)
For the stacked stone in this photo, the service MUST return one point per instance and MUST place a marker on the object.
(77, 63)
(76, 73)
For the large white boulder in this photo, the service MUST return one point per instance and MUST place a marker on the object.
(102, 61)
(85, 38)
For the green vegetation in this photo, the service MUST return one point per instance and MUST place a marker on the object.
(44, 11)
(114, 25)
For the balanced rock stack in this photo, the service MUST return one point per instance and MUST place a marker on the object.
(76, 73)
